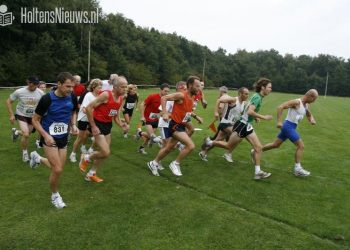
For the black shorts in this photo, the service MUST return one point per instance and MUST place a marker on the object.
(82, 125)
(25, 119)
(223, 126)
(243, 129)
(176, 127)
(128, 111)
(153, 124)
(60, 142)
(104, 127)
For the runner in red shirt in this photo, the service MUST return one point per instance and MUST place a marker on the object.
(180, 116)
(149, 117)
(101, 112)
(79, 88)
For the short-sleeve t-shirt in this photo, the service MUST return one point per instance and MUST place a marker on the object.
(27, 100)
(255, 100)
(89, 97)
(151, 111)
(56, 113)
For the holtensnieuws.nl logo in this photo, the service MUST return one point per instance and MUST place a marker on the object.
(34, 15)
(5, 18)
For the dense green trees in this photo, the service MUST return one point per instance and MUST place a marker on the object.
(147, 56)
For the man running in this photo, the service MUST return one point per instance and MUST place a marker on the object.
(28, 98)
(231, 113)
(244, 129)
(101, 112)
(297, 109)
(181, 114)
(54, 114)
(149, 117)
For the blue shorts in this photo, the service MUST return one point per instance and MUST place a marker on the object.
(288, 131)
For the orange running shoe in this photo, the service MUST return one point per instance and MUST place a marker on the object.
(93, 178)
(83, 164)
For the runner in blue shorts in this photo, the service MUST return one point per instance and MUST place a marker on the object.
(297, 109)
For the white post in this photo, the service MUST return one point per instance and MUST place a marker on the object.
(89, 53)
(325, 91)
(203, 69)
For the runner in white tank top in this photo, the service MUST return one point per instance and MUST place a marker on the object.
(297, 109)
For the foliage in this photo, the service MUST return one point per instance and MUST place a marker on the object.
(145, 55)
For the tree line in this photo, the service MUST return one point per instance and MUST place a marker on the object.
(147, 56)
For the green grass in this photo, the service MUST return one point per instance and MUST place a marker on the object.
(214, 205)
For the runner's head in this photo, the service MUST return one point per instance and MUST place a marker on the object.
(120, 85)
(95, 84)
(193, 84)
(243, 93)
(263, 86)
(164, 89)
(311, 95)
(65, 83)
(33, 82)
(181, 85)
(77, 79)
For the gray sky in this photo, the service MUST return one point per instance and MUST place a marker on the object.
(297, 27)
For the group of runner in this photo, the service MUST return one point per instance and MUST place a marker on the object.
(67, 109)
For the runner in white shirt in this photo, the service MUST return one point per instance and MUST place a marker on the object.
(231, 112)
(83, 122)
(28, 98)
(107, 84)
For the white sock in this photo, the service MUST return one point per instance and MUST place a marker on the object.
(176, 162)
(73, 153)
(87, 157)
(297, 166)
(54, 195)
(25, 151)
(257, 169)
(91, 172)
(17, 132)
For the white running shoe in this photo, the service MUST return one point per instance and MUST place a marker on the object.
(73, 157)
(203, 156)
(228, 157)
(156, 139)
(34, 160)
(175, 168)
(37, 144)
(180, 146)
(208, 142)
(58, 202)
(83, 149)
(90, 151)
(160, 166)
(261, 175)
(153, 167)
(301, 172)
(125, 136)
(15, 134)
(25, 157)
(142, 151)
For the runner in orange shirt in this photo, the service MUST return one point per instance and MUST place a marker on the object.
(180, 116)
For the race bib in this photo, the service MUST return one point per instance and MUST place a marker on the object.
(187, 117)
(130, 105)
(154, 115)
(58, 128)
(29, 111)
(113, 112)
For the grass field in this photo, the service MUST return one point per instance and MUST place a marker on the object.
(214, 205)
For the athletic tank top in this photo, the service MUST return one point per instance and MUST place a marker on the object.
(106, 111)
(182, 111)
(232, 113)
(295, 115)
(130, 101)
